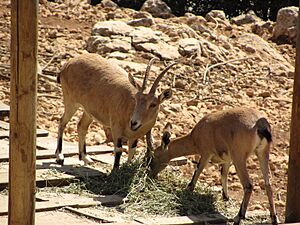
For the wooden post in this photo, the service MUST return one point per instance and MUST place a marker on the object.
(22, 142)
(293, 190)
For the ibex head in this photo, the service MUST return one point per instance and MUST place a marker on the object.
(147, 104)
(160, 160)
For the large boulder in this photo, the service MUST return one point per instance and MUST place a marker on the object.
(108, 28)
(105, 45)
(286, 24)
(157, 8)
(160, 49)
(215, 14)
(252, 43)
(189, 47)
(145, 35)
(247, 18)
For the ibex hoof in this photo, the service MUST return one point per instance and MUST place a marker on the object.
(87, 160)
(60, 159)
(225, 197)
(190, 188)
(237, 220)
(275, 220)
(116, 166)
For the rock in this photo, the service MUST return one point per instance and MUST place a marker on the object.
(286, 23)
(115, 15)
(189, 47)
(249, 48)
(215, 14)
(257, 207)
(160, 49)
(236, 186)
(144, 35)
(132, 66)
(250, 17)
(141, 14)
(146, 22)
(192, 19)
(265, 94)
(180, 84)
(108, 4)
(118, 55)
(193, 108)
(108, 28)
(193, 102)
(262, 27)
(157, 8)
(52, 34)
(175, 107)
(94, 41)
(265, 52)
(250, 93)
(105, 45)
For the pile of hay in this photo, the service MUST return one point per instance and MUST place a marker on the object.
(165, 196)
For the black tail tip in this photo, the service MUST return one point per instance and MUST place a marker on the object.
(264, 129)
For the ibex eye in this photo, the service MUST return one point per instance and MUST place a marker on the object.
(152, 105)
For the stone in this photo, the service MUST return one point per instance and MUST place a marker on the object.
(144, 35)
(215, 14)
(265, 51)
(249, 48)
(286, 23)
(175, 107)
(133, 66)
(118, 55)
(262, 27)
(265, 94)
(52, 34)
(250, 93)
(189, 47)
(105, 45)
(250, 17)
(146, 22)
(157, 8)
(108, 28)
(141, 14)
(108, 4)
(160, 49)
(180, 84)
(94, 41)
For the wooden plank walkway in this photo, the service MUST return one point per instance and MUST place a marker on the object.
(48, 173)
(63, 200)
(46, 149)
(76, 205)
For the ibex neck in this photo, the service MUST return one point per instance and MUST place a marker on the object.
(182, 146)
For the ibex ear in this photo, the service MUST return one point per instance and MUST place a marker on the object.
(134, 82)
(166, 94)
(166, 136)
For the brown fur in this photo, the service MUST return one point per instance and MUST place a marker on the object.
(108, 94)
(224, 137)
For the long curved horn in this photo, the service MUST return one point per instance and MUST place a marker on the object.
(147, 73)
(157, 80)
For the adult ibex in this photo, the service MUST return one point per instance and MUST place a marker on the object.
(111, 96)
(224, 137)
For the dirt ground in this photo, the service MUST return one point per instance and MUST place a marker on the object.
(253, 83)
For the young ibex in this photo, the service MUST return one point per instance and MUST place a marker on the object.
(223, 137)
(111, 96)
